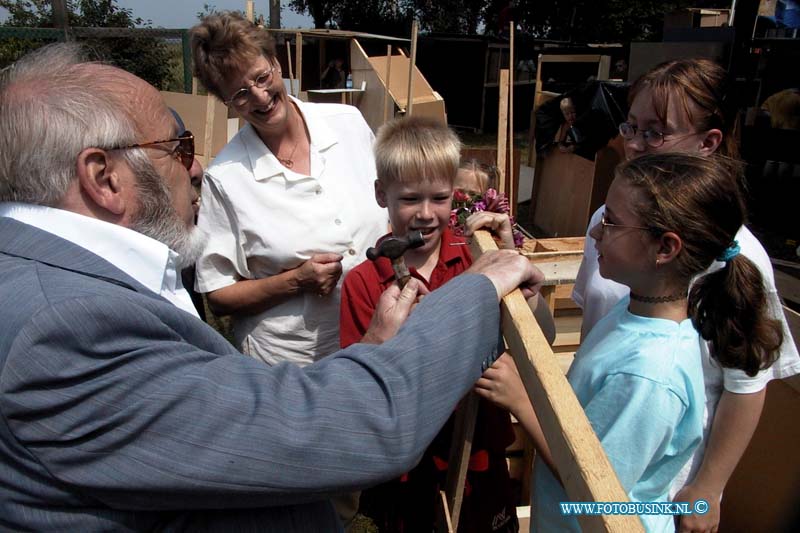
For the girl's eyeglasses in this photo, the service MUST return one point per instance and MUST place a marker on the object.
(611, 225)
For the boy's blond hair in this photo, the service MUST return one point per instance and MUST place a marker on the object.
(414, 149)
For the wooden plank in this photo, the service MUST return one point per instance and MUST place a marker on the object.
(208, 137)
(564, 185)
(298, 60)
(289, 61)
(582, 464)
(512, 188)
(250, 10)
(410, 92)
(387, 98)
(793, 319)
(788, 286)
(502, 131)
(206, 117)
(460, 451)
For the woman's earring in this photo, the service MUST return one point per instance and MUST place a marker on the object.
(657, 263)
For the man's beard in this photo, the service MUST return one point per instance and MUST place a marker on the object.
(158, 219)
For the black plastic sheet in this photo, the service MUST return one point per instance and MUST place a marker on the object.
(600, 105)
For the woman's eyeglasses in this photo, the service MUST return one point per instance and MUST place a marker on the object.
(183, 151)
(242, 96)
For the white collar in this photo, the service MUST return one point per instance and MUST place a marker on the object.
(146, 260)
(264, 163)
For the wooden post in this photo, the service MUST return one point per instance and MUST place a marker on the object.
(60, 17)
(298, 63)
(483, 90)
(502, 131)
(275, 14)
(578, 455)
(411, 64)
(208, 141)
(458, 463)
(387, 97)
(289, 63)
(249, 10)
(512, 190)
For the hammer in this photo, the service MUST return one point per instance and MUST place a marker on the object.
(393, 249)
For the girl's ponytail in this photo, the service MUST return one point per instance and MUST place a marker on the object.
(729, 308)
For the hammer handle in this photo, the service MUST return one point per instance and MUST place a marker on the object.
(401, 272)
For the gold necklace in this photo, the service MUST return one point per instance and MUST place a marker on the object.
(288, 162)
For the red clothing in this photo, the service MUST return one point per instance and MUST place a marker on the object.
(364, 285)
(410, 503)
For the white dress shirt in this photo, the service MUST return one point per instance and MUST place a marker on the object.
(263, 219)
(146, 260)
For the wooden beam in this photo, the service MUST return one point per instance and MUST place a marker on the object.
(458, 463)
(208, 138)
(411, 67)
(289, 63)
(387, 98)
(512, 190)
(298, 62)
(582, 464)
(249, 10)
(502, 131)
(60, 17)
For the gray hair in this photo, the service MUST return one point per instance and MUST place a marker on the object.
(51, 108)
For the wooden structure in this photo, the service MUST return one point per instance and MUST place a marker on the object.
(381, 82)
(582, 464)
(376, 71)
(206, 117)
(465, 69)
(568, 188)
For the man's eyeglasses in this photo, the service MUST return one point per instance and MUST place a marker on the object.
(242, 96)
(611, 225)
(183, 151)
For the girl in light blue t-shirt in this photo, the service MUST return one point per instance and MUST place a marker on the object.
(638, 374)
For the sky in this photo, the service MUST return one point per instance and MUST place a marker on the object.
(183, 13)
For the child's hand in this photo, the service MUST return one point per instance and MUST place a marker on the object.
(497, 223)
(501, 384)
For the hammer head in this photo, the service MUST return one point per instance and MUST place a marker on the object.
(394, 247)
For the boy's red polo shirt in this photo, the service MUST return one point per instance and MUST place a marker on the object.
(364, 285)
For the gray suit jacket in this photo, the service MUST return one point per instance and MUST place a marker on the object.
(118, 411)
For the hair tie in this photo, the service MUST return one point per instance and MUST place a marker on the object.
(730, 252)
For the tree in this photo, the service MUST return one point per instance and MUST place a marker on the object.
(148, 57)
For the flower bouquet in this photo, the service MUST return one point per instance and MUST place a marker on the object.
(465, 204)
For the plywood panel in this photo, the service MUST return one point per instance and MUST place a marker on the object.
(564, 184)
(197, 112)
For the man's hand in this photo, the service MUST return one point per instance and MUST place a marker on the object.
(320, 273)
(393, 308)
(497, 223)
(508, 270)
(698, 523)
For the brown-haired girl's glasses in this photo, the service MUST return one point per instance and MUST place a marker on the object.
(612, 225)
(183, 151)
(653, 138)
